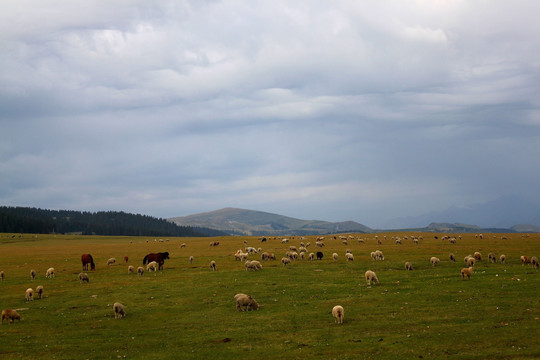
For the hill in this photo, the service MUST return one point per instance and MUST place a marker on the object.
(40, 221)
(257, 223)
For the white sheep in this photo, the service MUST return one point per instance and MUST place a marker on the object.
(285, 261)
(152, 266)
(119, 310)
(83, 277)
(477, 256)
(191, 259)
(408, 266)
(434, 261)
(10, 315)
(492, 257)
(2, 276)
(183, 245)
(338, 313)
(373, 255)
(50, 273)
(502, 259)
(39, 291)
(349, 256)
(245, 302)
(534, 262)
(111, 261)
(371, 277)
(32, 274)
(311, 256)
(471, 261)
(379, 255)
(452, 257)
(29, 295)
(140, 271)
(213, 265)
(335, 256)
(467, 272)
(131, 269)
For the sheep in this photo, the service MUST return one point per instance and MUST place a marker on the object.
(50, 273)
(140, 271)
(191, 259)
(534, 262)
(452, 257)
(319, 255)
(111, 261)
(285, 261)
(467, 272)
(371, 277)
(131, 269)
(335, 256)
(183, 245)
(10, 315)
(245, 302)
(525, 260)
(119, 310)
(408, 266)
(311, 256)
(434, 261)
(477, 256)
(373, 255)
(213, 265)
(256, 265)
(349, 256)
(39, 291)
(32, 274)
(152, 266)
(466, 258)
(126, 259)
(29, 295)
(471, 261)
(338, 313)
(2, 277)
(379, 255)
(492, 257)
(83, 277)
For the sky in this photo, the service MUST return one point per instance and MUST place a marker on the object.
(328, 110)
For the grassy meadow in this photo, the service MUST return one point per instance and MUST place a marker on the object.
(187, 311)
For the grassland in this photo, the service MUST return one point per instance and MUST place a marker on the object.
(188, 312)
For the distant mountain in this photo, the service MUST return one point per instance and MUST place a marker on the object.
(258, 223)
(504, 212)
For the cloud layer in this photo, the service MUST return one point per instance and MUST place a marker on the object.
(312, 109)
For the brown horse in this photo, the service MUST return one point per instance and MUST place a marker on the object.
(87, 259)
(157, 257)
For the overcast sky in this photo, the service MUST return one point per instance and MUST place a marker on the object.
(330, 110)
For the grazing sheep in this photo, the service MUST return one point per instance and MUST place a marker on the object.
(50, 273)
(408, 266)
(119, 311)
(466, 272)
(373, 255)
(140, 271)
(131, 269)
(371, 277)
(256, 265)
(502, 259)
(152, 266)
(525, 260)
(349, 256)
(111, 261)
(534, 262)
(213, 265)
(39, 291)
(492, 257)
(434, 261)
(32, 274)
(183, 245)
(302, 255)
(319, 255)
(245, 302)
(335, 256)
(379, 255)
(2, 277)
(311, 256)
(471, 261)
(191, 259)
(477, 256)
(452, 257)
(285, 261)
(83, 277)
(338, 313)
(466, 258)
(10, 315)
(29, 295)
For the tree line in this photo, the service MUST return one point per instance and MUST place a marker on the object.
(112, 223)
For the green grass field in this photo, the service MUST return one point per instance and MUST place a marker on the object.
(188, 312)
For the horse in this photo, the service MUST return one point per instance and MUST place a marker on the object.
(157, 257)
(87, 259)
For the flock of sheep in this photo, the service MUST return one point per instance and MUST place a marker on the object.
(246, 302)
